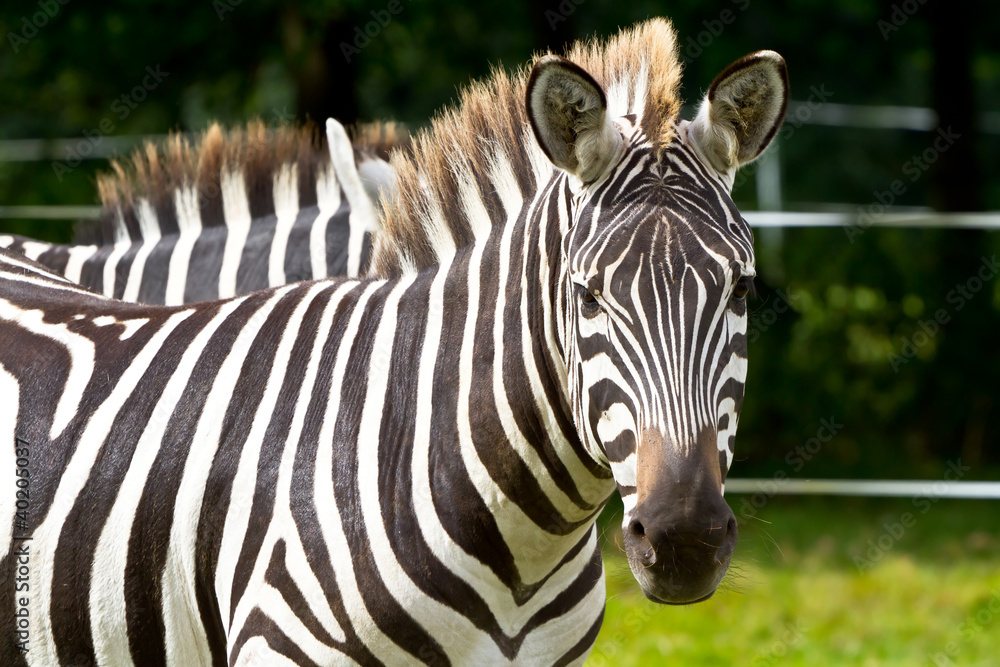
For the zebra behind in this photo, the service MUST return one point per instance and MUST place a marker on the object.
(239, 211)
(408, 468)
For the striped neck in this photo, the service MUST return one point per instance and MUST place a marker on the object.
(537, 491)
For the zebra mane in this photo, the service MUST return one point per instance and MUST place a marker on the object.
(154, 175)
(457, 176)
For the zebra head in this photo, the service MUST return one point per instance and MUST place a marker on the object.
(657, 263)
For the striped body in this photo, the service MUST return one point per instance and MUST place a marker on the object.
(229, 483)
(201, 263)
(406, 468)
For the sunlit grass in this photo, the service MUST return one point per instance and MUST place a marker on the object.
(804, 590)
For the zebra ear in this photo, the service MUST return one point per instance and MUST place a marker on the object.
(742, 111)
(569, 114)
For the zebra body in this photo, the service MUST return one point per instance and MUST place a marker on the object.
(245, 211)
(408, 468)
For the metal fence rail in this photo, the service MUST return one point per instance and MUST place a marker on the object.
(51, 212)
(919, 220)
(876, 488)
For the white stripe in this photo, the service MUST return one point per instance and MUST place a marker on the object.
(189, 224)
(78, 255)
(42, 280)
(463, 635)
(11, 393)
(286, 207)
(33, 249)
(186, 641)
(328, 201)
(259, 594)
(236, 210)
(150, 226)
(109, 626)
(33, 272)
(328, 514)
(80, 350)
(438, 233)
(245, 479)
(504, 182)
(519, 532)
(108, 287)
(71, 483)
(363, 218)
(472, 202)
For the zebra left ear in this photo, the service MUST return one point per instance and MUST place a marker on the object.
(569, 114)
(742, 111)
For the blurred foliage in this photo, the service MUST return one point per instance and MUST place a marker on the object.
(851, 302)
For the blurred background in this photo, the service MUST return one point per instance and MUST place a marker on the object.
(873, 350)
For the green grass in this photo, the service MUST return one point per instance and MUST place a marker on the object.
(803, 589)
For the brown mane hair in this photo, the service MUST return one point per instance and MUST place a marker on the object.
(488, 132)
(156, 170)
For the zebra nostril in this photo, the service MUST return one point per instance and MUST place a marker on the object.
(637, 528)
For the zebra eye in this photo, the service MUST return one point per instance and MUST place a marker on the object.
(743, 287)
(587, 298)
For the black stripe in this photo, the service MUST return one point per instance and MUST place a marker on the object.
(150, 540)
(252, 272)
(278, 576)
(298, 260)
(391, 618)
(205, 265)
(338, 234)
(153, 288)
(259, 625)
(302, 500)
(273, 446)
(84, 523)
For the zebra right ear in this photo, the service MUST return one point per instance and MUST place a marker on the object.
(742, 111)
(569, 114)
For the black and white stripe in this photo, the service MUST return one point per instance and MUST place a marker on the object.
(188, 259)
(401, 469)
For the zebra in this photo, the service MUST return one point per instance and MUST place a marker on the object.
(408, 467)
(242, 210)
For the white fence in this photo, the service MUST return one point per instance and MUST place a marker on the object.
(875, 488)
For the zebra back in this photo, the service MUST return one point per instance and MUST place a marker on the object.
(229, 213)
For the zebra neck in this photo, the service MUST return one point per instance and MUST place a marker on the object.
(502, 438)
